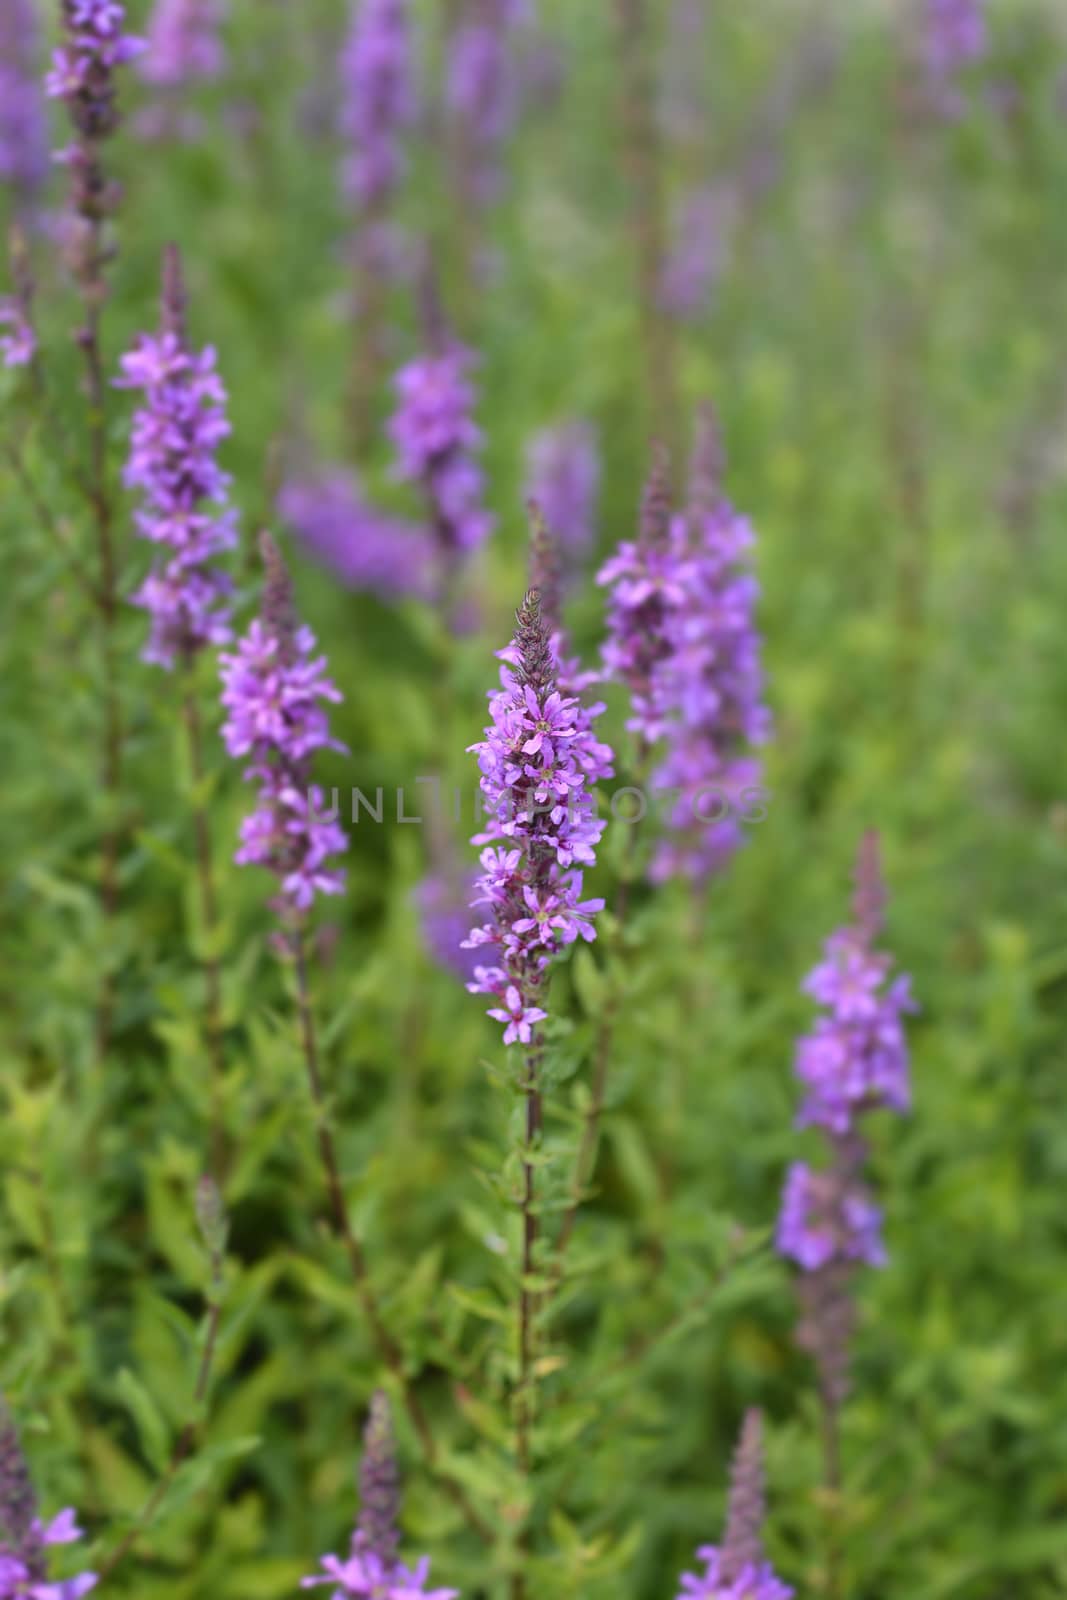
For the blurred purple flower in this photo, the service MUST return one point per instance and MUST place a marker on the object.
(736, 1569)
(364, 547)
(273, 691)
(24, 1539)
(184, 42)
(377, 101)
(563, 478)
(483, 90)
(695, 263)
(437, 441)
(955, 37)
(24, 160)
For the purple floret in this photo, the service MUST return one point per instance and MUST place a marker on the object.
(377, 99)
(363, 546)
(754, 1582)
(364, 1575)
(24, 161)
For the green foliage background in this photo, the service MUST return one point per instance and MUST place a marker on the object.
(887, 355)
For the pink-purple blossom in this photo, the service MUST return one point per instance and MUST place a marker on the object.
(275, 692)
(363, 1575)
(955, 37)
(751, 1583)
(483, 91)
(184, 509)
(541, 830)
(25, 1541)
(18, 345)
(94, 44)
(824, 1219)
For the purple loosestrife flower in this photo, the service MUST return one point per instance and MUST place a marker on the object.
(25, 1541)
(82, 75)
(377, 104)
(24, 161)
(373, 1570)
(364, 547)
(708, 686)
(955, 38)
(697, 258)
(437, 442)
(483, 91)
(737, 1570)
(854, 1061)
(172, 460)
(273, 690)
(647, 583)
(541, 831)
(19, 345)
(184, 43)
(563, 477)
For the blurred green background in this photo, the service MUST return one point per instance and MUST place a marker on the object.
(886, 349)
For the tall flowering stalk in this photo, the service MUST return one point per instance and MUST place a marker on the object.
(377, 109)
(373, 1569)
(854, 1061)
(364, 547)
(24, 162)
(708, 685)
(541, 830)
(185, 515)
(276, 691)
(26, 1541)
(737, 1569)
(94, 44)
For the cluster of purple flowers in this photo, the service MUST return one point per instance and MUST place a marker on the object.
(25, 1540)
(737, 1570)
(854, 1061)
(751, 1583)
(542, 829)
(955, 37)
(273, 689)
(173, 445)
(24, 159)
(709, 685)
(436, 440)
(563, 478)
(484, 89)
(682, 637)
(361, 545)
(373, 1570)
(377, 103)
(94, 44)
(184, 42)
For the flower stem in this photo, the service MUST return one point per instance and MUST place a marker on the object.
(387, 1347)
(205, 873)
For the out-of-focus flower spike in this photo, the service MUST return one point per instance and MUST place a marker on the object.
(742, 1544)
(545, 567)
(379, 1482)
(869, 898)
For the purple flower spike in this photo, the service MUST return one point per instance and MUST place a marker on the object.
(184, 509)
(373, 1570)
(24, 161)
(541, 830)
(377, 101)
(737, 1570)
(855, 1060)
(273, 690)
(563, 477)
(24, 1539)
(183, 43)
(707, 692)
(483, 91)
(437, 442)
(94, 44)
